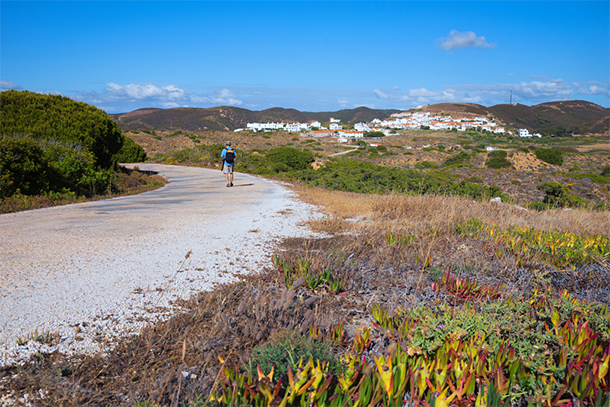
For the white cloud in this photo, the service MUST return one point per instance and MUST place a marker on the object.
(135, 96)
(532, 92)
(6, 85)
(460, 40)
(343, 102)
(554, 89)
(593, 88)
(380, 94)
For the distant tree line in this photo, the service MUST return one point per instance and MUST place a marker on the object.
(51, 143)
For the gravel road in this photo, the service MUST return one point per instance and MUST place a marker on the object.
(91, 273)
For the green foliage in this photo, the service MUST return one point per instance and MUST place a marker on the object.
(365, 177)
(286, 350)
(601, 206)
(497, 159)
(131, 152)
(52, 144)
(606, 171)
(550, 155)
(600, 179)
(56, 117)
(461, 158)
(557, 195)
(293, 158)
(23, 167)
(426, 164)
(543, 348)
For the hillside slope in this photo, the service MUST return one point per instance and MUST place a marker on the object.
(230, 118)
(576, 116)
(557, 118)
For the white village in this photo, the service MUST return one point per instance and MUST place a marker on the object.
(388, 127)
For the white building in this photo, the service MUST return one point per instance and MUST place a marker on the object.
(335, 126)
(264, 126)
(524, 133)
(333, 120)
(362, 127)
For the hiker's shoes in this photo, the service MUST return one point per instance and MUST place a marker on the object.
(231, 184)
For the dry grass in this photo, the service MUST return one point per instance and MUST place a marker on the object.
(404, 214)
(176, 361)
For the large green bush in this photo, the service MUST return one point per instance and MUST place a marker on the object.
(60, 118)
(550, 155)
(50, 143)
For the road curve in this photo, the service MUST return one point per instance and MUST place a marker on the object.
(95, 269)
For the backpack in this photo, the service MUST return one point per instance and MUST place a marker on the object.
(230, 156)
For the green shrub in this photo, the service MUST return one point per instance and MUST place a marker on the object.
(550, 155)
(59, 118)
(538, 206)
(461, 158)
(292, 157)
(600, 179)
(606, 171)
(287, 349)
(426, 164)
(601, 206)
(131, 152)
(497, 159)
(557, 195)
(23, 167)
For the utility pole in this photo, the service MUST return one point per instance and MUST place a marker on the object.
(511, 94)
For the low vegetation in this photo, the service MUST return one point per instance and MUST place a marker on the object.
(419, 292)
(425, 300)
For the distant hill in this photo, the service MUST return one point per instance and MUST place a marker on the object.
(548, 118)
(576, 116)
(231, 118)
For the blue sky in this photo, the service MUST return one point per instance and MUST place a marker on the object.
(311, 56)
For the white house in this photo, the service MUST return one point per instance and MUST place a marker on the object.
(333, 120)
(315, 124)
(293, 128)
(264, 126)
(491, 148)
(524, 133)
(335, 126)
(362, 127)
(351, 134)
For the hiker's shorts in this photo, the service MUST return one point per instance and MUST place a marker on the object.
(227, 169)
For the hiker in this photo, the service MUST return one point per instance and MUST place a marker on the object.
(228, 155)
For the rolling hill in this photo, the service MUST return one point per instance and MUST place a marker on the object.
(575, 116)
(230, 118)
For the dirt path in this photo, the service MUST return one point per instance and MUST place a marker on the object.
(91, 272)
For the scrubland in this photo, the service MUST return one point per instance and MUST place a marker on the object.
(404, 300)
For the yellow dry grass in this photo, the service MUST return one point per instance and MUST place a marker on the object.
(416, 214)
